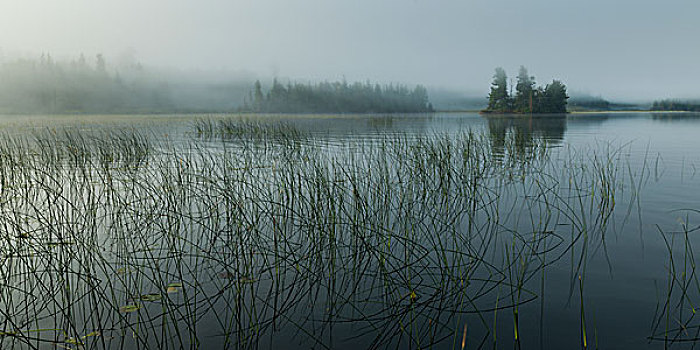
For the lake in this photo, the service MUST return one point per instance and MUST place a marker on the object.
(446, 230)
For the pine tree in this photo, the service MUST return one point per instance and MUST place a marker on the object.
(498, 98)
(554, 98)
(100, 64)
(258, 99)
(524, 92)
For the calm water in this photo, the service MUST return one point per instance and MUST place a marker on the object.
(629, 295)
(627, 281)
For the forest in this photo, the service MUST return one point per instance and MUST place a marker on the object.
(527, 98)
(337, 97)
(88, 85)
(81, 85)
(676, 105)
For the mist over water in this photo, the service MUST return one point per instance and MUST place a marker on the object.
(628, 50)
(315, 174)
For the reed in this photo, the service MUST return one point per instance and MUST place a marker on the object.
(256, 234)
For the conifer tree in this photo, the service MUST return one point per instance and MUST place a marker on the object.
(498, 98)
(554, 98)
(258, 97)
(524, 92)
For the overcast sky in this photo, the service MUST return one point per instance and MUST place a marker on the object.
(615, 48)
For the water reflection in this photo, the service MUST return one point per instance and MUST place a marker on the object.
(671, 116)
(516, 135)
(422, 242)
(363, 126)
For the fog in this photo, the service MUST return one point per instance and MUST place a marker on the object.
(630, 50)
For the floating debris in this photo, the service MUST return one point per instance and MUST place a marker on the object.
(129, 308)
(151, 297)
(173, 287)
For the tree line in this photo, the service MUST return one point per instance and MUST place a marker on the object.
(45, 85)
(676, 105)
(92, 84)
(527, 98)
(337, 97)
(80, 85)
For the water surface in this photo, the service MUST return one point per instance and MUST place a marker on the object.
(589, 220)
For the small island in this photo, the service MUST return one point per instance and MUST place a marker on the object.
(528, 99)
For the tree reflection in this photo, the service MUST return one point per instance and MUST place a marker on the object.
(671, 116)
(518, 136)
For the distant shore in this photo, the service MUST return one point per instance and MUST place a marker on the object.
(569, 112)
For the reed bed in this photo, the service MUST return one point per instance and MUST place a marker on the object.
(676, 321)
(258, 235)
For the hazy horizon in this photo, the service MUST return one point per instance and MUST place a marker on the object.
(626, 50)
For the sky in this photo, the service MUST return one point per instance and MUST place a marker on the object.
(619, 49)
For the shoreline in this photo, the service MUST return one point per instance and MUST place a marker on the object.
(569, 112)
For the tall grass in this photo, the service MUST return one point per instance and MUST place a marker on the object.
(237, 240)
(676, 319)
